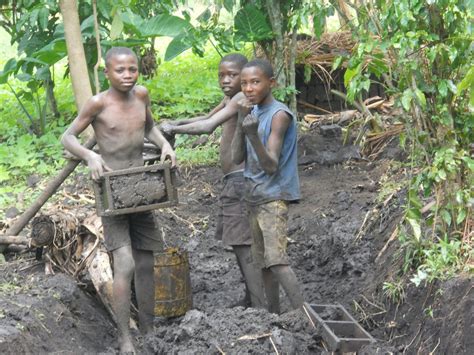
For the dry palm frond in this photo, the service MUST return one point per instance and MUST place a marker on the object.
(376, 142)
(321, 53)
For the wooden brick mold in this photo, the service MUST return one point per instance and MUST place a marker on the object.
(136, 190)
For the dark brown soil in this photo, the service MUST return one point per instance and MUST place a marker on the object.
(333, 261)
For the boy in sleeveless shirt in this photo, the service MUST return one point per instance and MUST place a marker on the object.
(265, 138)
(232, 225)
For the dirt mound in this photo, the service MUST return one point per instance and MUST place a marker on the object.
(334, 262)
(41, 314)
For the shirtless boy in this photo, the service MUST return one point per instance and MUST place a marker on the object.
(232, 226)
(121, 119)
(265, 138)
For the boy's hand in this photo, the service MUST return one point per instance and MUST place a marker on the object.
(245, 106)
(250, 125)
(168, 152)
(97, 166)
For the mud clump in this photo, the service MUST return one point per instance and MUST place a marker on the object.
(233, 331)
(137, 190)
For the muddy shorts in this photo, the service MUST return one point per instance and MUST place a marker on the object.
(268, 224)
(232, 220)
(139, 230)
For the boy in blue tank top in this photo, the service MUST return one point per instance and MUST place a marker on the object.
(265, 138)
(232, 226)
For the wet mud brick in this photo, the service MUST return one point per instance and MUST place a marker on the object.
(340, 330)
(136, 190)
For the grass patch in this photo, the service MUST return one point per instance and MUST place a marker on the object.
(185, 87)
(204, 155)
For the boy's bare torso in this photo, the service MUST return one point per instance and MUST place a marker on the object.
(228, 129)
(119, 127)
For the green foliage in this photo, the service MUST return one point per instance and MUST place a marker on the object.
(37, 29)
(284, 93)
(422, 51)
(32, 26)
(251, 25)
(440, 261)
(185, 87)
(159, 25)
(394, 291)
(202, 155)
(23, 155)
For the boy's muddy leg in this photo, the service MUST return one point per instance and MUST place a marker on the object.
(145, 288)
(287, 278)
(246, 301)
(252, 276)
(123, 273)
(272, 290)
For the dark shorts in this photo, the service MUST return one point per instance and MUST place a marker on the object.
(232, 220)
(139, 230)
(268, 223)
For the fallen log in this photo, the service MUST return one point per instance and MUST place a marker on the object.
(42, 231)
(338, 118)
(307, 104)
(100, 272)
(13, 239)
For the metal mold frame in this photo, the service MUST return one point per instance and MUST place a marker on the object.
(345, 335)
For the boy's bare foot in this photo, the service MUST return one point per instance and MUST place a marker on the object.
(126, 345)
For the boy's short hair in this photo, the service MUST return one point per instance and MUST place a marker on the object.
(114, 51)
(263, 64)
(236, 58)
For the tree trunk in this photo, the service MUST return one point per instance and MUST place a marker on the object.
(75, 52)
(13, 239)
(291, 70)
(278, 60)
(49, 84)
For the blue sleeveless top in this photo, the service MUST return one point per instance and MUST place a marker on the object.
(284, 183)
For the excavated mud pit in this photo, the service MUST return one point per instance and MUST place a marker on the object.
(54, 314)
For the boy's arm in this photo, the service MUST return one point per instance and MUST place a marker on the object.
(217, 116)
(238, 141)
(69, 139)
(268, 156)
(198, 118)
(154, 135)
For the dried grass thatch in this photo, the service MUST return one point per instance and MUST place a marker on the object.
(323, 52)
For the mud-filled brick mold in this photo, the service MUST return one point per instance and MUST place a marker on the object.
(136, 190)
(341, 332)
